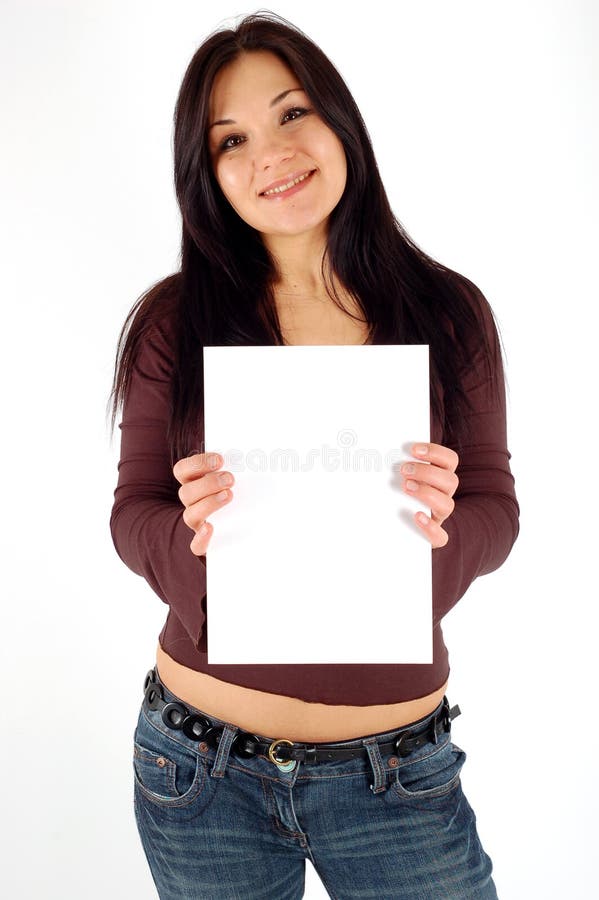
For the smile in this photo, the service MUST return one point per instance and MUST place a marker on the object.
(291, 186)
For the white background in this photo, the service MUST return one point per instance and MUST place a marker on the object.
(481, 116)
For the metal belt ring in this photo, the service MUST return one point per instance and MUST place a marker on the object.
(154, 696)
(213, 735)
(244, 744)
(194, 726)
(149, 677)
(179, 712)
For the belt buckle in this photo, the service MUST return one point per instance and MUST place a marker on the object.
(285, 765)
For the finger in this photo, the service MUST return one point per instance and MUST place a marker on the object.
(191, 467)
(439, 503)
(437, 454)
(433, 532)
(195, 490)
(194, 515)
(201, 539)
(437, 477)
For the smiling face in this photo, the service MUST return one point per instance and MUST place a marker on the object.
(272, 138)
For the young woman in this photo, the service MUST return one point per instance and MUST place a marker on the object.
(242, 772)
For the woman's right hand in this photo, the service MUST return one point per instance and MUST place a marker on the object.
(199, 493)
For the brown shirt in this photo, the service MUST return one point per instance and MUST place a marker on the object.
(152, 539)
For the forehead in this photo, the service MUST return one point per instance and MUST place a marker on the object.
(253, 77)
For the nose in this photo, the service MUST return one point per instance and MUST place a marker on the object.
(272, 151)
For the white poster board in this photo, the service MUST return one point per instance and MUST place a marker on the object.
(316, 559)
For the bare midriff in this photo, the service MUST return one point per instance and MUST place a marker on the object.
(277, 715)
(280, 716)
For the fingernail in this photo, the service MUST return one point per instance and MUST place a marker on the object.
(420, 450)
(213, 460)
(204, 530)
(411, 485)
(422, 518)
(408, 468)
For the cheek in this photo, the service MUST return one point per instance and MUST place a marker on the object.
(230, 180)
(334, 154)
(339, 166)
(236, 188)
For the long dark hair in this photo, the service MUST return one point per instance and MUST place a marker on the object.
(223, 294)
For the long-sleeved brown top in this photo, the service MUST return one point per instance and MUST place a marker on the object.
(152, 539)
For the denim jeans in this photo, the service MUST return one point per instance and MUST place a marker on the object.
(216, 825)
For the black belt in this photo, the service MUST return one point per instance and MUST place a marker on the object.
(196, 726)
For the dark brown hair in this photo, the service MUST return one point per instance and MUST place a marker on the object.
(223, 295)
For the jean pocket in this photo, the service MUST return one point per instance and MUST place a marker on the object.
(433, 772)
(166, 771)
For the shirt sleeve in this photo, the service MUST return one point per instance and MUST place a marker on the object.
(485, 522)
(146, 523)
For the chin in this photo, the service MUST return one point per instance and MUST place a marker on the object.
(296, 224)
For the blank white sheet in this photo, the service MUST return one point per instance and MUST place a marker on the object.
(316, 559)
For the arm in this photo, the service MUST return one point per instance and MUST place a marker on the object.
(148, 531)
(484, 523)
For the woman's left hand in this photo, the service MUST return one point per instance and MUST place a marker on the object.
(434, 482)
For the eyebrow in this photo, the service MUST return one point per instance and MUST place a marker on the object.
(272, 103)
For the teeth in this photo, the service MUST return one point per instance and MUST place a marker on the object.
(285, 187)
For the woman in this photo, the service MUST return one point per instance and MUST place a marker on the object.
(241, 772)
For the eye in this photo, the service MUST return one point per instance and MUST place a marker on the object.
(294, 112)
(294, 109)
(225, 145)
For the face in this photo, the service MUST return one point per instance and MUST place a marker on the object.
(272, 138)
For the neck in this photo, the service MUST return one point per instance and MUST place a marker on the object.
(298, 260)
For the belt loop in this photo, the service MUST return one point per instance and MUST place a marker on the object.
(376, 762)
(227, 737)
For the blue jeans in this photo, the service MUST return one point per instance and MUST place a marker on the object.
(219, 826)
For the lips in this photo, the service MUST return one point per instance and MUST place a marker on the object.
(288, 179)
